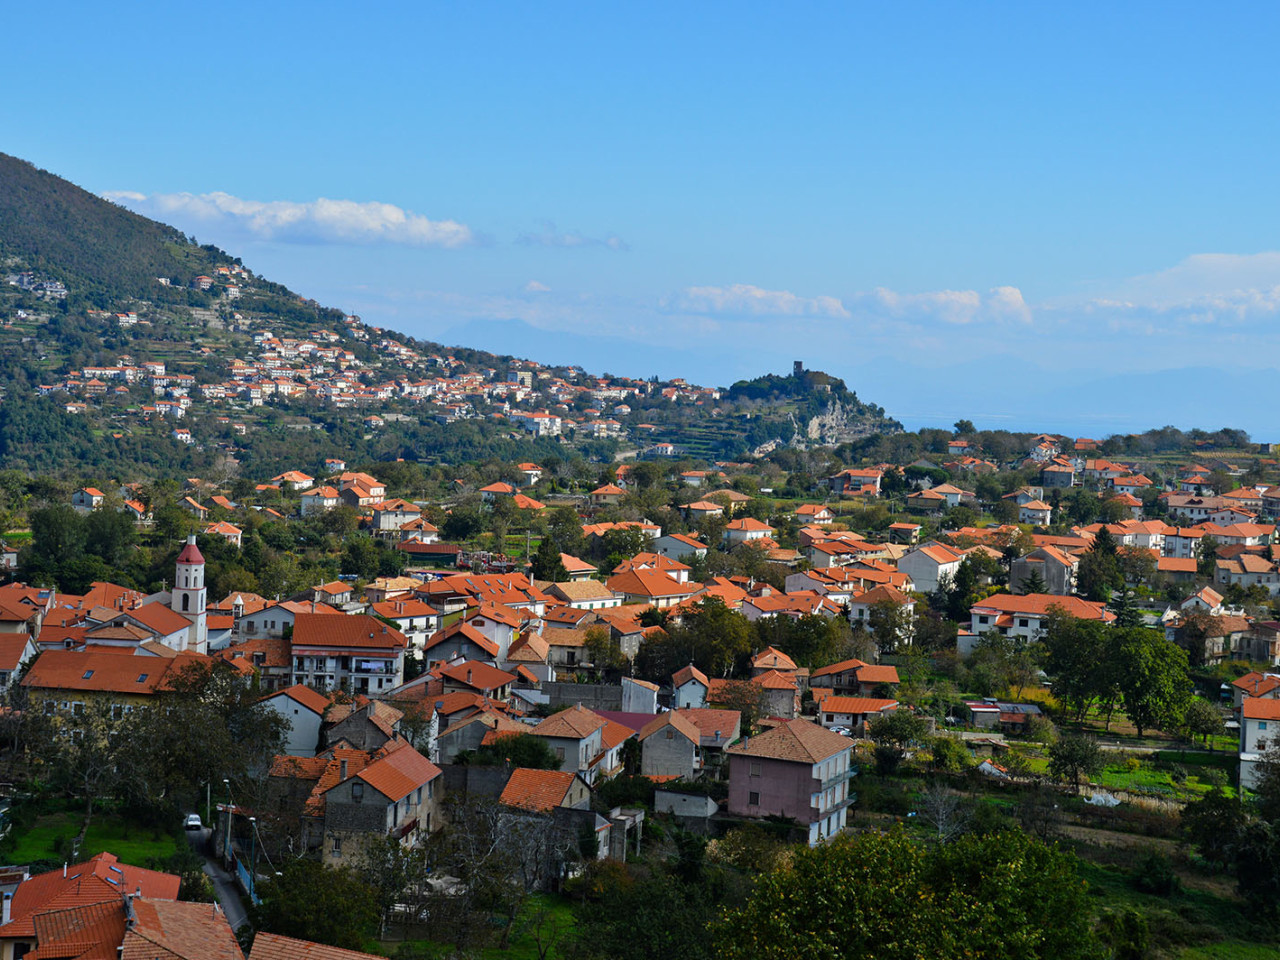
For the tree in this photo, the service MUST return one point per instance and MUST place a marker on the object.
(1126, 610)
(1073, 757)
(547, 564)
(1079, 662)
(311, 901)
(517, 750)
(1033, 582)
(1212, 825)
(886, 896)
(603, 651)
(501, 854)
(965, 426)
(1202, 719)
(1207, 558)
(1152, 678)
(943, 809)
(749, 699)
(1099, 573)
(890, 624)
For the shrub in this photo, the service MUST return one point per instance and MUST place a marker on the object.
(1153, 873)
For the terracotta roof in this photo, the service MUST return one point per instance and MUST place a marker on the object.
(356, 632)
(711, 720)
(1041, 603)
(399, 773)
(313, 701)
(176, 930)
(575, 723)
(855, 705)
(1260, 708)
(461, 630)
(477, 674)
(687, 673)
(539, 790)
(686, 727)
(877, 673)
(796, 740)
(840, 667)
(584, 590)
(102, 670)
(773, 659)
(272, 946)
(101, 878)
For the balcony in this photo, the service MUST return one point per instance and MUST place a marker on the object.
(401, 830)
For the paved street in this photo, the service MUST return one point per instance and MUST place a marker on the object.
(224, 884)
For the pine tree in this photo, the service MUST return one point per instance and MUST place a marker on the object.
(1033, 582)
(547, 564)
(1125, 609)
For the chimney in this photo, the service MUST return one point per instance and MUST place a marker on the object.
(6, 910)
(468, 674)
(342, 770)
(191, 539)
(64, 869)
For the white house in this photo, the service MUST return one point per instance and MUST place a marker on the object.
(304, 709)
(928, 564)
(1259, 724)
(744, 530)
(691, 688)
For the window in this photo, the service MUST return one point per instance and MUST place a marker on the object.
(88, 674)
(1023, 621)
(670, 734)
(753, 799)
(142, 677)
(357, 791)
(77, 708)
(1262, 725)
(560, 753)
(186, 602)
(337, 846)
(754, 768)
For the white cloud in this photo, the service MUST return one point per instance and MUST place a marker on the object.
(549, 236)
(314, 221)
(533, 286)
(745, 299)
(998, 305)
(1225, 277)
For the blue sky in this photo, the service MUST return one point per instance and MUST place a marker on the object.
(1032, 216)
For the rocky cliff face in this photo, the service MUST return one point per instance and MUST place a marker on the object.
(835, 425)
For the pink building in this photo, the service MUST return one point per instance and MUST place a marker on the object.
(796, 769)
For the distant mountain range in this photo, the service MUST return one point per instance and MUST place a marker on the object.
(95, 299)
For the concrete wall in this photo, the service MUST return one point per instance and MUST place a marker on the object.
(660, 757)
(593, 696)
(475, 781)
(785, 789)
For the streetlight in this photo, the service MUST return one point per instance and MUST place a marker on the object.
(227, 845)
(253, 856)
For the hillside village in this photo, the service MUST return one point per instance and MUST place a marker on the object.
(678, 642)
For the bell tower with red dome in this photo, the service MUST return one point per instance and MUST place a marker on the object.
(189, 596)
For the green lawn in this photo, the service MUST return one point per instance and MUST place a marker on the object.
(523, 945)
(129, 842)
(1229, 950)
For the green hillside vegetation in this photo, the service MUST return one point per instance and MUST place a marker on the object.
(110, 260)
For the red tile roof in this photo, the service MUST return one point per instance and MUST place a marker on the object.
(399, 773)
(101, 878)
(539, 790)
(359, 631)
(272, 946)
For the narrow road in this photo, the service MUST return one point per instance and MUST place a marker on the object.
(225, 887)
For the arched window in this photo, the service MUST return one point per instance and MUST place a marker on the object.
(186, 602)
